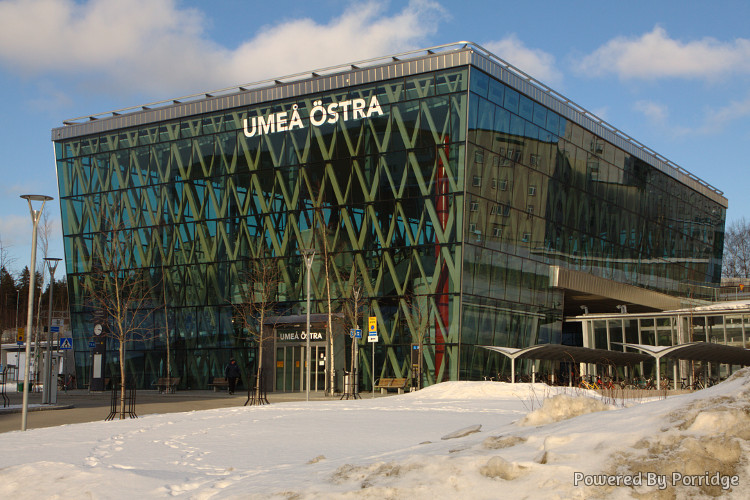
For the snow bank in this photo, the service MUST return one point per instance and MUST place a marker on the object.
(701, 444)
(483, 390)
(497, 467)
(563, 407)
(392, 448)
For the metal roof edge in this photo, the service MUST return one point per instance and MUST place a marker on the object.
(332, 77)
(270, 89)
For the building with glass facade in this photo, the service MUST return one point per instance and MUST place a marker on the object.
(467, 203)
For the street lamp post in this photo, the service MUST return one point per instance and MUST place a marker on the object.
(309, 255)
(35, 216)
(47, 394)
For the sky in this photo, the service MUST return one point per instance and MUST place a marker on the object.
(477, 440)
(671, 74)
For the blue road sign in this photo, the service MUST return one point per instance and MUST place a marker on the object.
(92, 344)
(55, 329)
(358, 333)
(66, 343)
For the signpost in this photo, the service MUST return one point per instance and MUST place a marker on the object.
(372, 337)
(416, 354)
(355, 334)
(97, 356)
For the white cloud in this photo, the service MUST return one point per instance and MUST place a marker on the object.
(717, 120)
(49, 97)
(157, 46)
(720, 118)
(656, 55)
(714, 121)
(655, 112)
(15, 230)
(535, 62)
(62, 35)
(360, 32)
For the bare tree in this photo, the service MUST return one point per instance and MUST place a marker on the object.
(254, 300)
(8, 289)
(352, 306)
(166, 324)
(736, 261)
(122, 296)
(163, 232)
(44, 231)
(417, 315)
(6, 259)
(322, 236)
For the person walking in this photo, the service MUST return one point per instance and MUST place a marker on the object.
(232, 373)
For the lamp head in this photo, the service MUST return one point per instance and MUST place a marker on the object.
(52, 263)
(308, 254)
(36, 197)
(36, 214)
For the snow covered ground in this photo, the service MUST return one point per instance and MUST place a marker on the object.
(472, 440)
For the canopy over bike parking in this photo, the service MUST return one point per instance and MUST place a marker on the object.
(693, 339)
(694, 351)
(573, 354)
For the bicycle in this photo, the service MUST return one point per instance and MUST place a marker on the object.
(607, 383)
(588, 385)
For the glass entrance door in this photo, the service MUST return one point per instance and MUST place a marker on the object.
(290, 368)
(318, 370)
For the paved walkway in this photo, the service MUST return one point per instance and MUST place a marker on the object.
(82, 406)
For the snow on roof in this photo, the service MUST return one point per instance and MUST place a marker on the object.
(734, 305)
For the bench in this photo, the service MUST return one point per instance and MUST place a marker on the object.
(107, 385)
(219, 382)
(384, 384)
(167, 384)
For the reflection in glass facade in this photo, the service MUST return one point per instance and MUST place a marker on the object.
(445, 193)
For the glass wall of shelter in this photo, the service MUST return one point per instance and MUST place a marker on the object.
(444, 205)
(668, 329)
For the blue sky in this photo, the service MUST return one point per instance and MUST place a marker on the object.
(672, 74)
